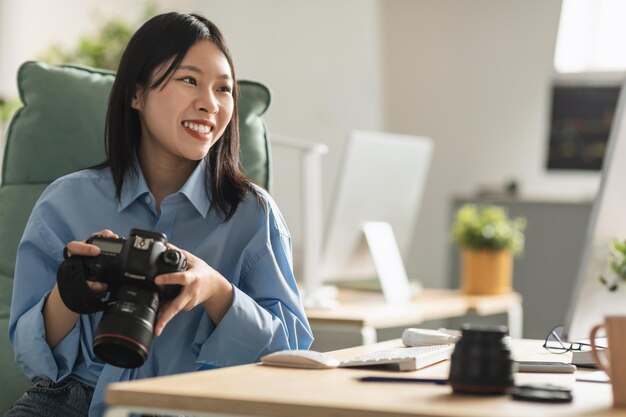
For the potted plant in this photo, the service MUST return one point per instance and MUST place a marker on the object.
(489, 239)
(617, 265)
(103, 49)
(614, 326)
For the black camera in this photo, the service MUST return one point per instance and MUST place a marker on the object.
(131, 304)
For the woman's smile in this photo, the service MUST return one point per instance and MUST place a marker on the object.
(199, 129)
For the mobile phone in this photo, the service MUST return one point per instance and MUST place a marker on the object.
(542, 393)
(548, 367)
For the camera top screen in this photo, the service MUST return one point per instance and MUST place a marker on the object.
(109, 245)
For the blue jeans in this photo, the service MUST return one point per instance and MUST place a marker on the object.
(67, 398)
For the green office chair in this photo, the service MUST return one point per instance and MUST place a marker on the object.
(60, 130)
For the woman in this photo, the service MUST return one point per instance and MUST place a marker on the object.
(172, 167)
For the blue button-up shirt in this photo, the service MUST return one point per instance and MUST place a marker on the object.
(252, 250)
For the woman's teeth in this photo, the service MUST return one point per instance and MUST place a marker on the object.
(202, 129)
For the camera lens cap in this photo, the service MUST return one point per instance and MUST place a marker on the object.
(547, 393)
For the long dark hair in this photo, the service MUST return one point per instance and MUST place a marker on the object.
(163, 38)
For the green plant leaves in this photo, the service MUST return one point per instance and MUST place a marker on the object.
(101, 50)
(488, 227)
(617, 265)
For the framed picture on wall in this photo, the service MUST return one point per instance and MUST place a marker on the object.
(580, 122)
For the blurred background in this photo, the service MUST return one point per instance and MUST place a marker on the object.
(477, 76)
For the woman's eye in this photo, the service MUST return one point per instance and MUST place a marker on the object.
(189, 80)
(226, 89)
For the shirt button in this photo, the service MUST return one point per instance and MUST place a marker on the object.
(147, 199)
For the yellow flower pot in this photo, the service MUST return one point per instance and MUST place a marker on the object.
(486, 272)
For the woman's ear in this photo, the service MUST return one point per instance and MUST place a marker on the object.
(137, 100)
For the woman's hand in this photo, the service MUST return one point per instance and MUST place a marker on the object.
(85, 249)
(201, 285)
(58, 318)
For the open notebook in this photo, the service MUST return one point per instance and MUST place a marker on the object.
(399, 359)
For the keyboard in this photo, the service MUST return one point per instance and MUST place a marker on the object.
(402, 359)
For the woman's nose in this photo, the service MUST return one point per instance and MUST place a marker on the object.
(207, 102)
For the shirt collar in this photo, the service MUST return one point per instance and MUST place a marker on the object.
(133, 187)
(194, 189)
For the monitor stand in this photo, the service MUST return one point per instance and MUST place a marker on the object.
(388, 262)
(392, 276)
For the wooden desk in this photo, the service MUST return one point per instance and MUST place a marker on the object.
(360, 314)
(257, 390)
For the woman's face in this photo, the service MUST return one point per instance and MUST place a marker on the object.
(183, 118)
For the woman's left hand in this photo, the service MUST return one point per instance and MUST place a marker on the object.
(201, 285)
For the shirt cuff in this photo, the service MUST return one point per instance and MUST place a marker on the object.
(33, 353)
(242, 335)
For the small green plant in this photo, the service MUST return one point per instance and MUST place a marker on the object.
(617, 264)
(488, 227)
(7, 108)
(102, 49)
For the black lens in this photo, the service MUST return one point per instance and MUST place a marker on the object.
(124, 335)
(481, 362)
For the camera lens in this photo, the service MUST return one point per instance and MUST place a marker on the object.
(481, 362)
(125, 332)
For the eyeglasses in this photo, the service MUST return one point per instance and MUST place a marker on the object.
(554, 342)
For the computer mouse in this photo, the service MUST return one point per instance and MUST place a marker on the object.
(309, 359)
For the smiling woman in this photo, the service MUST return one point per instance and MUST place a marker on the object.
(183, 118)
(172, 167)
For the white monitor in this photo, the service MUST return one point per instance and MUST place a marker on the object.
(591, 301)
(381, 182)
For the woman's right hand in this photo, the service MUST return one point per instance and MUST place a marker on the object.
(58, 318)
(85, 249)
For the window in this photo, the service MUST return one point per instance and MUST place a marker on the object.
(591, 36)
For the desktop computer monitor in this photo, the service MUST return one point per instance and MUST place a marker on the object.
(591, 301)
(381, 182)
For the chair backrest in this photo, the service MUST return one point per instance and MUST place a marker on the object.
(59, 130)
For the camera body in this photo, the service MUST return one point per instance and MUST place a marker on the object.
(131, 304)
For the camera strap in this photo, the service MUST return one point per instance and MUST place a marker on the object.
(74, 290)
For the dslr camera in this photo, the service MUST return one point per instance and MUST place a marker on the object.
(131, 303)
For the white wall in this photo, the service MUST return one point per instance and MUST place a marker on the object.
(322, 60)
(475, 76)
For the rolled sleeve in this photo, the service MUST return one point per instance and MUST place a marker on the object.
(33, 353)
(247, 326)
(266, 314)
(38, 257)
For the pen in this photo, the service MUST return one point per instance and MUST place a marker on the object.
(409, 380)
